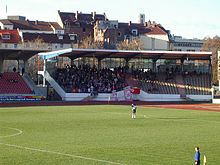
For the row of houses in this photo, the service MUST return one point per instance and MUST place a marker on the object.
(71, 28)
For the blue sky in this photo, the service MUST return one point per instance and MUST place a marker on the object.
(188, 18)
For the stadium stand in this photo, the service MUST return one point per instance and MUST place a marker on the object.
(155, 83)
(87, 79)
(13, 83)
(170, 82)
(197, 84)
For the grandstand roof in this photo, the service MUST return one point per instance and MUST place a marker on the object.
(170, 55)
(104, 53)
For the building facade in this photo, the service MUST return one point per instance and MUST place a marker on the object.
(178, 43)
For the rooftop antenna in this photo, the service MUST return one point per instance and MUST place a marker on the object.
(6, 11)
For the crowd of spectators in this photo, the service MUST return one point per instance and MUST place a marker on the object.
(141, 74)
(90, 79)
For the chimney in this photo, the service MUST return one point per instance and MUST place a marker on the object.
(105, 16)
(77, 13)
(154, 23)
(36, 22)
(93, 15)
(142, 19)
(149, 23)
(129, 23)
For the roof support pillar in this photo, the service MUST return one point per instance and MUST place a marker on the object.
(44, 72)
(127, 61)
(72, 62)
(18, 65)
(154, 64)
(1, 65)
(99, 63)
(210, 66)
(24, 69)
(182, 64)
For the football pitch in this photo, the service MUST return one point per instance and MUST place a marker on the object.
(106, 135)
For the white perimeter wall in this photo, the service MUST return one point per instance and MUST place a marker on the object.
(143, 96)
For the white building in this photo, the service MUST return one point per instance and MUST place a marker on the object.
(178, 43)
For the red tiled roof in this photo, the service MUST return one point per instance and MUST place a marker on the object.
(47, 38)
(31, 25)
(100, 17)
(6, 22)
(56, 25)
(67, 17)
(142, 29)
(72, 18)
(14, 36)
(157, 30)
(87, 18)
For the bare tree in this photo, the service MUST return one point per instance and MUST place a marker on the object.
(36, 43)
(134, 44)
(89, 43)
(213, 45)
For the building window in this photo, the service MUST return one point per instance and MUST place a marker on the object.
(126, 37)
(59, 32)
(72, 37)
(15, 45)
(67, 25)
(134, 32)
(6, 36)
(84, 30)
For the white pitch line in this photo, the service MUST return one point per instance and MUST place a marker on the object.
(59, 153)
(16, 134)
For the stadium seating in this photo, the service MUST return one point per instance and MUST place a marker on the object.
(192, 84)
(13, 83)
(161, 85)
(87, 79)
(81, 79)
(197, 84)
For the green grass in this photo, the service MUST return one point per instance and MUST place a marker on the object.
(56, 135)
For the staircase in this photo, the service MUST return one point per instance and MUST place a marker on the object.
(54, 84)
(37, 90)
(181, 86)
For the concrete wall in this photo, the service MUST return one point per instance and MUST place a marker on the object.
(216, 101)
(143, 96)
(155, 42)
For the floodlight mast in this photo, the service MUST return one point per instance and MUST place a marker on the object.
(48, 55)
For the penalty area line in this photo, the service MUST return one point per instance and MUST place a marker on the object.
(59, 153)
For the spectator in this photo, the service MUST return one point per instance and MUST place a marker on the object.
(14, 69)
(22, 71)
(84, 77)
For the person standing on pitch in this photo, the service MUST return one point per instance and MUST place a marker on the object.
(134, 110)
(197, 156)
